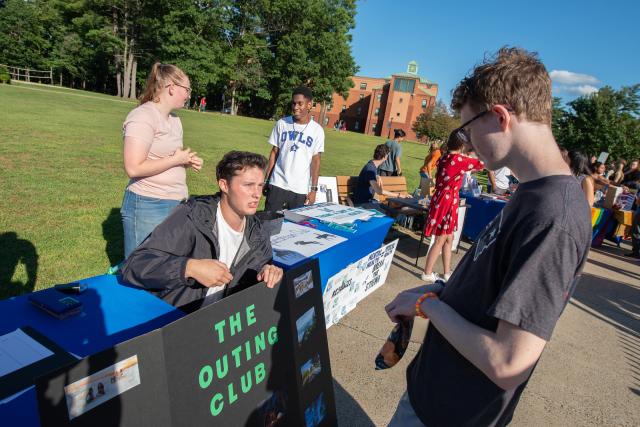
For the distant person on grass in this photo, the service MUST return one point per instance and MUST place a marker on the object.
(154, 157)
(211, 246)
(428, 168)
(392, 166)
(493, 318)
(294, 163)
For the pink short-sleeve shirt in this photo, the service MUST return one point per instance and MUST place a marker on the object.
(163, 136)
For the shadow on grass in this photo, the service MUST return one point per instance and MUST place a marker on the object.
(14, 251)
(114, 236)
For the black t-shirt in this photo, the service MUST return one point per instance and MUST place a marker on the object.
(364, 193)
(522, 270)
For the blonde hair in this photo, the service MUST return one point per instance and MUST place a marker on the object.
(159, 77)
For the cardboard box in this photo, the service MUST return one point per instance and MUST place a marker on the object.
(624, 217)
(610, 196)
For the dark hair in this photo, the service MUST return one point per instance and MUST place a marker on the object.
(454, 142)
(235, 161)
(398, 133)
(380, 151)
(304, 91)
(512, 77)
(578, 163)
(594, 167)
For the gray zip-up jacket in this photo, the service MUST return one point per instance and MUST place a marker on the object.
(159, 263)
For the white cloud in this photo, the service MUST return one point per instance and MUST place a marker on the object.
(564, 77)
(578, 90)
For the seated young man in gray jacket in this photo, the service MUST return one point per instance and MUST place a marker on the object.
(210, 246)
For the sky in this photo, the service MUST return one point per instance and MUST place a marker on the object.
(585, 45)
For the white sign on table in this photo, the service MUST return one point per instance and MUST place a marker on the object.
(327, 190)
(338, 214)
(297, 242)
(354, 283)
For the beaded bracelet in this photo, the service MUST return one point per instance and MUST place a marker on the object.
(419, 311)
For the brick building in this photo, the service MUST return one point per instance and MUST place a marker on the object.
(376, 106)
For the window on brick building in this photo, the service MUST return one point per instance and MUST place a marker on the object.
(359, 110)
(363, 86)
(314, 104)
(400, 101)
(356, 126)
(379, 96)
(376, 112)
(373, 127)
(313, 117)
(326, 120)
(424, 103)
(404, 85)
(344, 107)
(361, 96)
(329, 107)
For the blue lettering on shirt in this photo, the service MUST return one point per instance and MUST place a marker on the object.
(296, 137)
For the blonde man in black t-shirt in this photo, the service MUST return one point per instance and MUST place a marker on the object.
(491, 322)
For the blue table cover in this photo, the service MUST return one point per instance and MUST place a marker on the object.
(368, 237)
(112, 313)
(480, 215)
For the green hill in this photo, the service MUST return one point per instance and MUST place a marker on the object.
(61, 179)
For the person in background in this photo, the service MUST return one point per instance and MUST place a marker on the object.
(203, 104)
(635, 231)
(593, 160)
(392, 166)
(211, 246)
(618, 174)
(428, 168)
(499, 180)
(442, 220)
(579, 167)
(154, 157)
(297, 145)
(632, 176)
(597, 170)
(369, 183)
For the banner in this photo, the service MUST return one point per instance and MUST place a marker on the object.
(351, 285)
(258, 358)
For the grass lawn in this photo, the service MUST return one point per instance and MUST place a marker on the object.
(61, 179)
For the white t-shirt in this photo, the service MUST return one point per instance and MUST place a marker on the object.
(502, 177)
(229, 242)
(298, 144)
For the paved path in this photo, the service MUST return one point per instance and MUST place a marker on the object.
(589, 373)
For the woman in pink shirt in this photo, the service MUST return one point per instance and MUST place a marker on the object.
(154, 157)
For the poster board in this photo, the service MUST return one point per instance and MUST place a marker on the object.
(257, 357)
(357, 281)
(327, 190)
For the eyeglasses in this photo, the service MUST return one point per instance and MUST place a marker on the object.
(462, 134)
(187, 88)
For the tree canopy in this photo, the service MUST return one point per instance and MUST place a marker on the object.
(436, 123)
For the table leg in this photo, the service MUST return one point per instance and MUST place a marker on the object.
(419, 247)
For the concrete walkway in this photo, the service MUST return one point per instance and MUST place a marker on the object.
(589, 373)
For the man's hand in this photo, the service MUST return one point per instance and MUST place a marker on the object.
(311, 198)
(403, 306)
(270, 274)
(208, 272)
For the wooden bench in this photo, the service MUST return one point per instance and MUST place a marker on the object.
(346, 189)
(395, 184)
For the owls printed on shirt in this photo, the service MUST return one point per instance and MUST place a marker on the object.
(298, 143)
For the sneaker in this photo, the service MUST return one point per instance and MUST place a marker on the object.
(429, 278)
(447, 276)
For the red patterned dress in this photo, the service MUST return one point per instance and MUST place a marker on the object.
(443, 210)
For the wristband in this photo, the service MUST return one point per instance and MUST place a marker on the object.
(313, 188)
(419, 311)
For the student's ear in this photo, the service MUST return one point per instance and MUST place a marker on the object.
(503, 115)
(224, 186)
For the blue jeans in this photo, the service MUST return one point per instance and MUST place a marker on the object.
(140, 215)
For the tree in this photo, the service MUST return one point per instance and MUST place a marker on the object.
(436, 123)
(23, 38)
(607, 120)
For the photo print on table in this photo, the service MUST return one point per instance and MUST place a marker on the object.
(305, 325)
(315, 413)
(310, 369)
(303, 283)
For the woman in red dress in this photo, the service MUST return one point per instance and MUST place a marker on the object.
(443, 210)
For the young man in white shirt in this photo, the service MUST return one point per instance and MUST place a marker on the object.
(499, 180)
(294, 162)
(210, 246)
